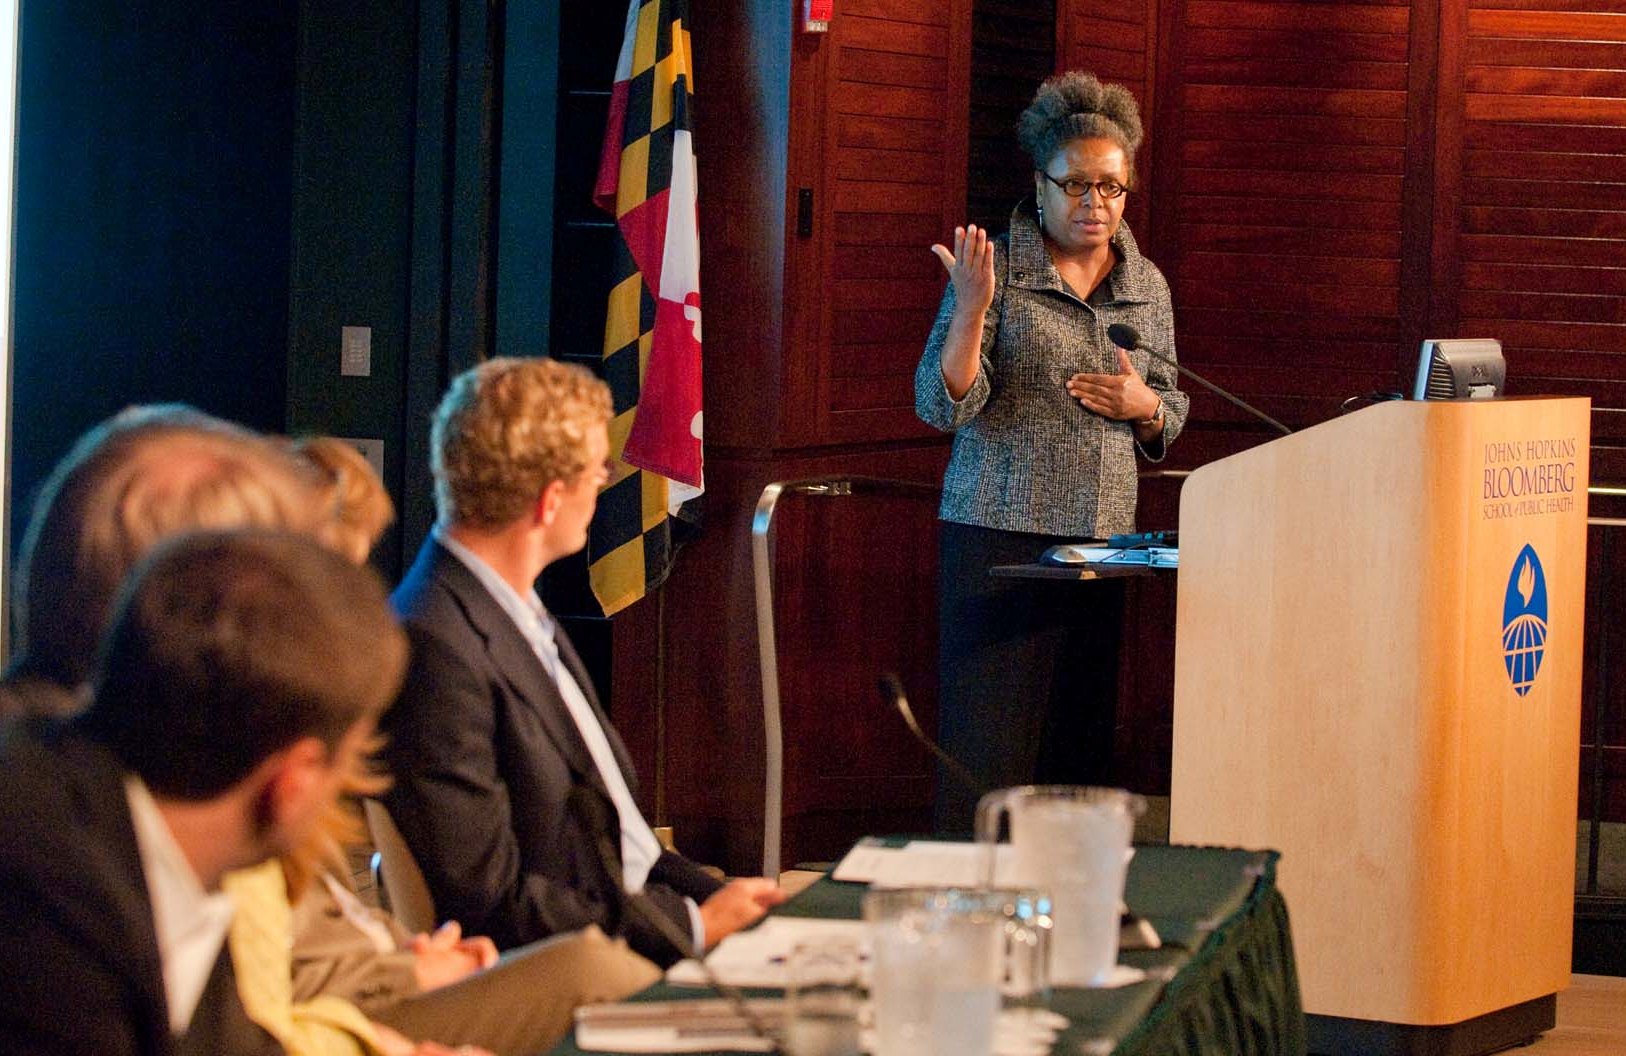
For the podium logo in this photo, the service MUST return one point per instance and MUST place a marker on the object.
(1524, 620)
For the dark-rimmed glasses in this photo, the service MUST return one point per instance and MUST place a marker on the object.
(1073, 187)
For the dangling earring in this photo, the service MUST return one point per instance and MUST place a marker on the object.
(1038, 207)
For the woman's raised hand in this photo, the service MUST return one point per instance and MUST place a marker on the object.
(971, 268)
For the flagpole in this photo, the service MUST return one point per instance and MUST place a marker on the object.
(660, 705)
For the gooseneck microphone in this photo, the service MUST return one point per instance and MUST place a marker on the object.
(1128, 338)
(892, 692)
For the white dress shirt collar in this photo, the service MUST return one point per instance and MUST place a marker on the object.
(190, 922)
(526, 611)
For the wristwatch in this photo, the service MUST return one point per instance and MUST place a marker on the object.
(1157, 415)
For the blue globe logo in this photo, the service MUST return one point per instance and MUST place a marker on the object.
(1524, 620)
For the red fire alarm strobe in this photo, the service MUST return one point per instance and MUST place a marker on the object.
(816, 15)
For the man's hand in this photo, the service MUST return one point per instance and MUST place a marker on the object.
(737, 904)
(446, 956)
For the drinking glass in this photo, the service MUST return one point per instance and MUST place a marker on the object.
(938, 969)
(823, 996)
(1026, 924)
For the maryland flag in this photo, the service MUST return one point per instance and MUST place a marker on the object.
(646, 177)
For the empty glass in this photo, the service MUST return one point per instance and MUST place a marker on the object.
(1026, 924)
(823, 996)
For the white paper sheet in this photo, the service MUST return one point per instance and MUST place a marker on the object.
(934, 863)
(924, 863)
(757, 957)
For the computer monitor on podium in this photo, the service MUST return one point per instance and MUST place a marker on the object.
(1469, 368)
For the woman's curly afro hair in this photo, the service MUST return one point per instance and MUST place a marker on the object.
(1074, 105)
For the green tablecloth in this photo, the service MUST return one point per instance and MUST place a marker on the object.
(1224, 983)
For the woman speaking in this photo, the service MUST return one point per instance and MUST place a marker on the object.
(1047, 416)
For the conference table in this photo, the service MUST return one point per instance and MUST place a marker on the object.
(1223, 983)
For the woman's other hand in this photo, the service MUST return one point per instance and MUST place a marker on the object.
(971, 270)
(1123, 397)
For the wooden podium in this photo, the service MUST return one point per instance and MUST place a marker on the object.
(1378, 673)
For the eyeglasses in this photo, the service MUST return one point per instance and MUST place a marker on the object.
(1073, 187)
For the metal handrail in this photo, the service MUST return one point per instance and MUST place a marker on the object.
(1601, 689)
(767, 646)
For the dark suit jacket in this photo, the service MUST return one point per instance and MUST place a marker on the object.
(495, 791)
(85, 976)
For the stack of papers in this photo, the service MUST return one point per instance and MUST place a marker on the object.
(711, 1025)
(757, 957)
(700, 1025)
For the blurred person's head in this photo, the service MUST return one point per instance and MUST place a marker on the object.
(136, 478)
(522, 440)
(240, 677)
(361, 504)
(362, 510)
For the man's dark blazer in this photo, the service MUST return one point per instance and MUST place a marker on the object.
(495, 791)
(85, 975)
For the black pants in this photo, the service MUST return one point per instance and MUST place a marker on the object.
(1027, 670)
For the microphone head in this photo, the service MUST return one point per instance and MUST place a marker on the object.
(1124, 336)
(891, 686)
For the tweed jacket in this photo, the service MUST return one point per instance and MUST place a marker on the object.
(1028, 457)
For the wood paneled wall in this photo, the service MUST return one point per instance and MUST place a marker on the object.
(1533, 122)
(893, 178)
(1283, 174)
(1013, 48)
(1119, 44)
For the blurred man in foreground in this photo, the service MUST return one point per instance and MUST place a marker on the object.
(242, 674)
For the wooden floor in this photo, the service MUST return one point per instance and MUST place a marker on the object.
(1591, 1020)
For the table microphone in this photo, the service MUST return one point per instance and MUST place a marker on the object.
(891, 687)
(590, 808)
(1128, 338)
